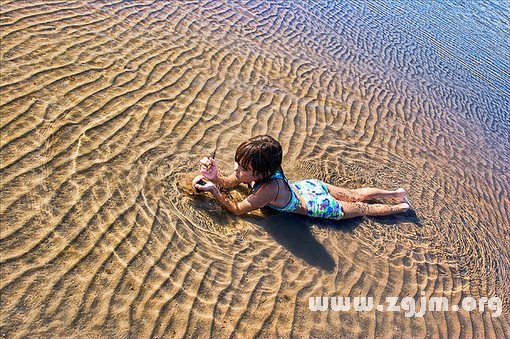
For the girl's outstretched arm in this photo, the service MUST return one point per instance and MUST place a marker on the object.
(252, 202)
(227, 182)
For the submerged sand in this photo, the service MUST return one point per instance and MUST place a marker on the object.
(106, 108)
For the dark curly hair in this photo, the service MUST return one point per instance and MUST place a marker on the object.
(263, 153)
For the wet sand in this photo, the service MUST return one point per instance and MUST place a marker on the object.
(107, 108)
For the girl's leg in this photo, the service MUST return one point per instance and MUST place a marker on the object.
(357, 209)
(362, 194)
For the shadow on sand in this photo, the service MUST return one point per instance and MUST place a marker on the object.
(293, 231)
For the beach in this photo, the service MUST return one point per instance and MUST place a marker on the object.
(107, 108)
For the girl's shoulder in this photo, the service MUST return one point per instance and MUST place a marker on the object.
(264, 194)
(269, 187)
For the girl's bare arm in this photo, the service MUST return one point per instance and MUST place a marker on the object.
(252, 202)
(226, 181)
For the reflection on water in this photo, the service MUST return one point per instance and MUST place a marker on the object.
(107, 108)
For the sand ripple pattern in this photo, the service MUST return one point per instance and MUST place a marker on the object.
(106, 108)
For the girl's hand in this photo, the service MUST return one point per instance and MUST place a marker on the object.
(201, 185)
(209, 168)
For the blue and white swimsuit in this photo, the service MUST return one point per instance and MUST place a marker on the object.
(319, 202)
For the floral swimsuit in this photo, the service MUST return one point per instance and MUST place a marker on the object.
(319, 202)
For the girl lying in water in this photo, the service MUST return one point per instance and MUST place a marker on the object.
(258, 163)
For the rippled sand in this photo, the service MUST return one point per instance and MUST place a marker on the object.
(107, 107)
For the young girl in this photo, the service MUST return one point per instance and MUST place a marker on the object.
(258, 163)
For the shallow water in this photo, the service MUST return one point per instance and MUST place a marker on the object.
(108, 106)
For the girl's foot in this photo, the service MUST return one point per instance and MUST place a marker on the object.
(400, 192)
(407, 201)
(404, 207)
(400, 195)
